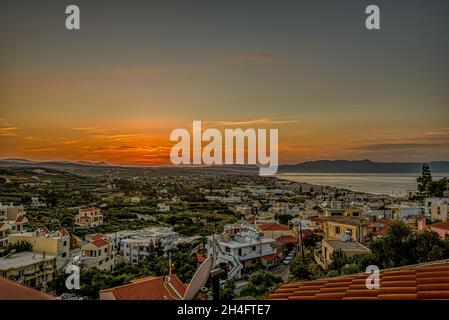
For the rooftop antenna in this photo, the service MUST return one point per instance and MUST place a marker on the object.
(169, 263)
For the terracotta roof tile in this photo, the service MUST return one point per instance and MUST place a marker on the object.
(270, 257)
(97, 236)
(273, 227)
(440, 225)
(88, 209)
(286, 239)
(422, 281)
(100, 243)
(149, 288)
(10, 290)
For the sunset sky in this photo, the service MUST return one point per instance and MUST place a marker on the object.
(114, 90)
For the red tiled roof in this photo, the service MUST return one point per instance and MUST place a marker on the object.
(64, 232)
(440, 225)
(10, 290)
(100, 243)
(386, 226)
(97, 236)
(149, 288)
(19, 218)
(315, 219)
(200, 257)
(88, 209)
(44, 230)
(424, 281)
(287, 239)
(273, 227)
(270, 257)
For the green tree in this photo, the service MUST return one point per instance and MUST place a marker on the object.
(310, 238)
(260, 283)
(283, 218)
(25, 200)
(20, 246)
(305, 268)
(424, 179)
(228, 290)
(436, 188)
(67, 220)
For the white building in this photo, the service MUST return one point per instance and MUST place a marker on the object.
(135, 200)
(240, 246)
(133, 246)
(162, 207)
(12, 219)
(437, 208)
(36, 203)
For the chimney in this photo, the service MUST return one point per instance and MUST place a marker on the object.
(421, 223)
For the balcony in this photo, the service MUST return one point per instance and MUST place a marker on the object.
(256, 254)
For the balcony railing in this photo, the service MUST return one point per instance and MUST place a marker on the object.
(318, 255)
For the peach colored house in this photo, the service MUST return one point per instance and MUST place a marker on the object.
(89, 217)
(442, 228)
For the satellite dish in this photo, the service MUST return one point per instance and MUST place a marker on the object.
(199, 279)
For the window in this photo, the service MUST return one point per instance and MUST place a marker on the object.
(337, 230)
(253, 248)
(240, 252)
(64, 254)
(227, 249)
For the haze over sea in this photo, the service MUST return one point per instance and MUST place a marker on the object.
(392, 184)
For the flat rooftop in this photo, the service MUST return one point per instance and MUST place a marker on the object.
(22, 259)
(346, 245)
(356, 221)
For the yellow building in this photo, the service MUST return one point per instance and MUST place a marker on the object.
(275, 230)
(359, 229)
(28, 268)
(43, 241)
(348, 247)
(354, 212)
(439, 212)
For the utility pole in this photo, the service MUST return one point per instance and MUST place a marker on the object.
(300, 239)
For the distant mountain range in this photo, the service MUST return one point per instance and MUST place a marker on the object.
(319, 166)
(29, 163)
(362, 166)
